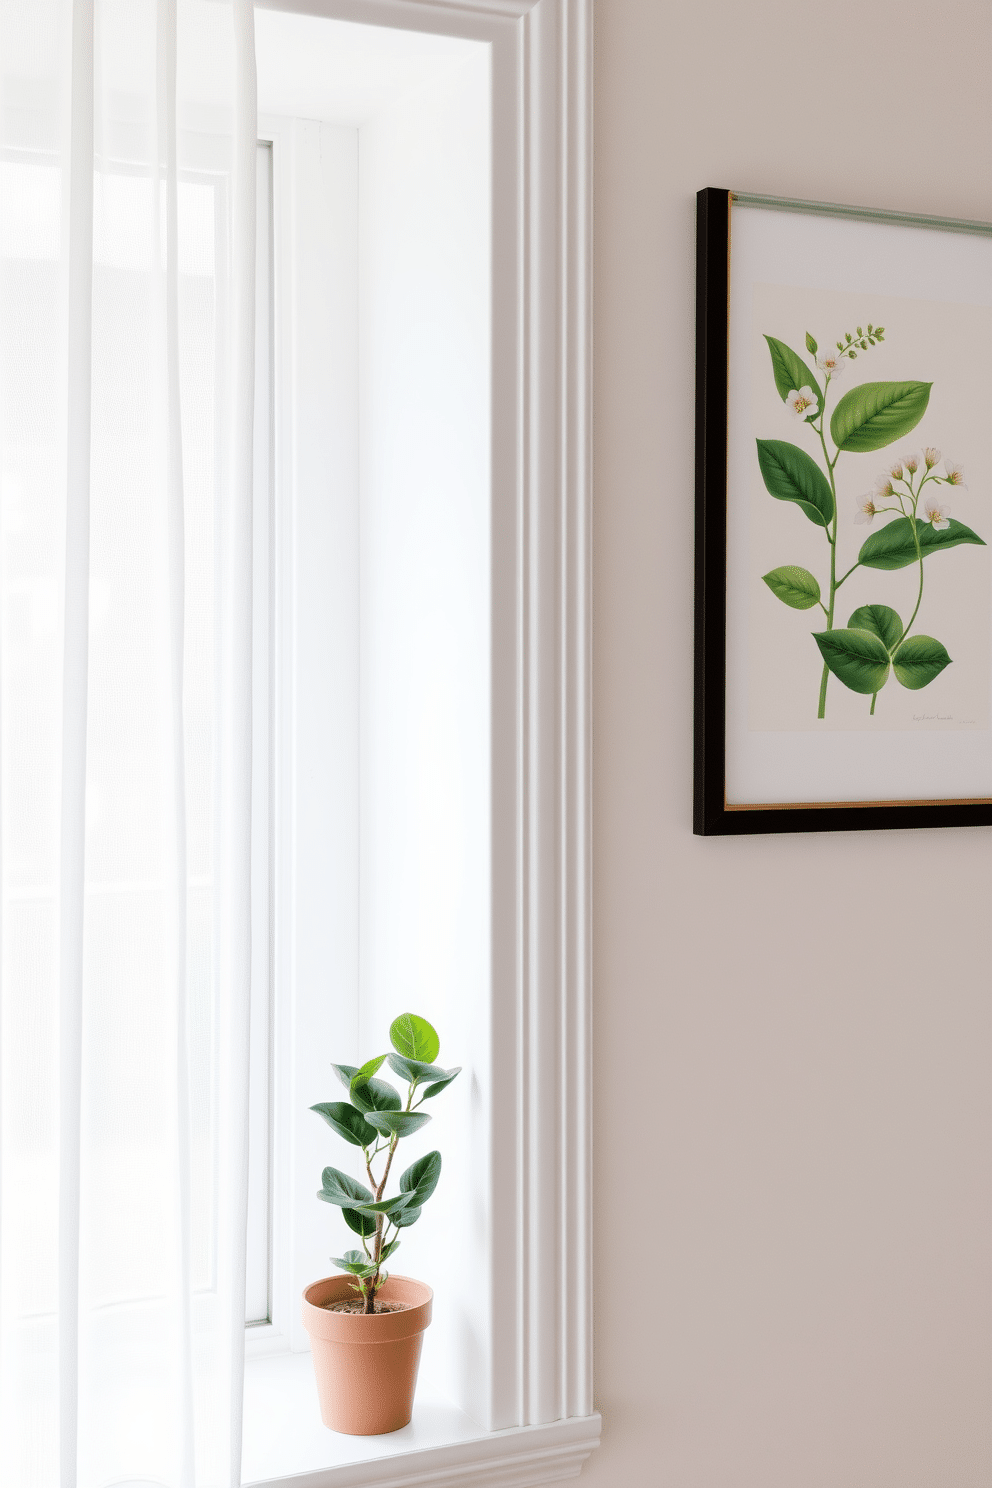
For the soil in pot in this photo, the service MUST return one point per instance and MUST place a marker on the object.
(358, 1307)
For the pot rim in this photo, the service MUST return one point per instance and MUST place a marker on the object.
(362, 1328)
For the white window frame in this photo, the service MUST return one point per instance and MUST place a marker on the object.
(258, 1268)
(540, 1390)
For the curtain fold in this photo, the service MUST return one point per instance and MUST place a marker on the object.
(127, 241)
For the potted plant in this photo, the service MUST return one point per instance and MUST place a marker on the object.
(367, 1327)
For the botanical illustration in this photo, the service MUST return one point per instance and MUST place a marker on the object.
(908, 508)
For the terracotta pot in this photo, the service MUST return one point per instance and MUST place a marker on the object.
(366, 1367)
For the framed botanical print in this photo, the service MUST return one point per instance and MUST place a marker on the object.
(843, 471)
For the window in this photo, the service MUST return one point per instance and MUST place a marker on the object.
(419, 664)
(381, 407)
(409, 768)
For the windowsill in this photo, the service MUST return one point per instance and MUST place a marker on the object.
(286, 1446)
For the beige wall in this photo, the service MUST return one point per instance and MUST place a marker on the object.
(793, 1034)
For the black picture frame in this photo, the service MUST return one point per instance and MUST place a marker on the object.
(712, 816)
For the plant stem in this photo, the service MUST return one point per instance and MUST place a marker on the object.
(380, 1219)
(832, 538)
(919, 597)
(871, 710)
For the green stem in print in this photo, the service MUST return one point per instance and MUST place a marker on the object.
(919, 559)
(871, 710)
(832, 539)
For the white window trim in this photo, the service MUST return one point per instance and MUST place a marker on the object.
(541, 1291)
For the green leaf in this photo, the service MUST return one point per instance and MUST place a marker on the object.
(892, 546)
(810, 344)
(420, 1178)
(348, 1122)
(345, 1073)
(794, 586)
(440, 1085)
(790, 475)
(918, 660)
(354, 1261)
(414, 1069)
(857, 657)
(387, 1250)
(339, 1188)
(385, 1206)
(790, 371)
(406, 1217)
(397, 1123)
(414, 1038)
(362, 1224)
(363, 1075)
(881, 621)
(875, 414)
(376, 1095)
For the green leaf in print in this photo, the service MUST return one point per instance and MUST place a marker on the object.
(794, 586)
(892, 546)
(790, 475)
(881, 621)
(810, 344)
(790, 371)
(918, 660)
(857, 657)
(875, 414)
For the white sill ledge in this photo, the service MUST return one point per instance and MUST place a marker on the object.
(286, 1446)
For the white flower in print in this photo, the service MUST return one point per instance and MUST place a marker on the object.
(955, 474)
(931, 456)
(896, 470)
(936, 513)
(866, 509)
(830, 363)
(803, 403)
(912, 463)
(883, 485)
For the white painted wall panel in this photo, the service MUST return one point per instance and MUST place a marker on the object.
(425, 659)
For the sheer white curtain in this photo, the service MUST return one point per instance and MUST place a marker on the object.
(127, 232)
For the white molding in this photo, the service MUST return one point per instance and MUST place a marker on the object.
(451, 16)
(540, 1218)
(522, 1457)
